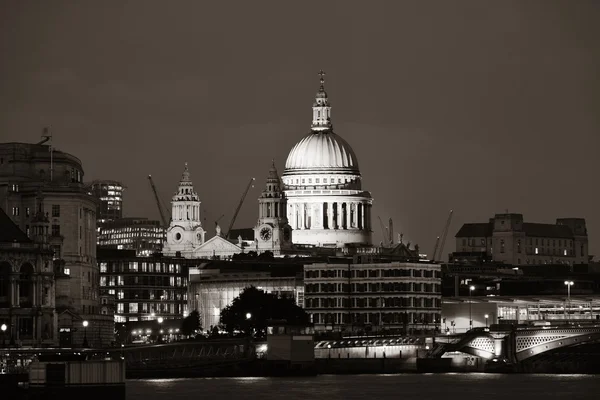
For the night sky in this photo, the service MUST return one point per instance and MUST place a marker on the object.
(476, 106)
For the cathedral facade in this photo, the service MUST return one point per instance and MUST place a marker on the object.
(322, 183)
(319, 200)
(185, 232)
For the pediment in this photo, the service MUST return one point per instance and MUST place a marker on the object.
(218, 243)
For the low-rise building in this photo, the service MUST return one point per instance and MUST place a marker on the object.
(394, 295)
(144, 288)
(214, 285)
(144, 236)
(508, 240)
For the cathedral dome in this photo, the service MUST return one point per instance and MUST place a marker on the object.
(322, 151)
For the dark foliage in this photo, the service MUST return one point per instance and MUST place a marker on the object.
(261, 307)
(191, 323)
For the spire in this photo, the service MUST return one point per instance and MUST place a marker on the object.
(185, 177)
(273, 183)
(321, 109)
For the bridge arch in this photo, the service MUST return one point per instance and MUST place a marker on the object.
(545, 343)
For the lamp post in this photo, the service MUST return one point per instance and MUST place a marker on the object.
(160, 321)
(569, 284)
(486, 320)
(85, 325)
(471, 288)
(3, 328)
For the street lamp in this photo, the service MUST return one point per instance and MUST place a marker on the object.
(486, 320)
(160, 321)
(85, 342)
(569, 284)
(248, 315)
(471, 288)
(3, 328)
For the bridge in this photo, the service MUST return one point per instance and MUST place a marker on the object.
(195, 357)
(519, 343)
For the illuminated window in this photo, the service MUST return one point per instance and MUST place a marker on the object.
(536, 250)
(565, 252)
(67, 271)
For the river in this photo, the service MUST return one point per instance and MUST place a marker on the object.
(373, 387)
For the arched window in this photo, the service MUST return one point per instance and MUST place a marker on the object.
(4, 284)
(26, 285)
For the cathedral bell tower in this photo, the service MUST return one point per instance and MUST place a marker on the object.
(185, 231)
(272, 232)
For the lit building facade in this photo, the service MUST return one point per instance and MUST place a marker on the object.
(514, 310)
(144, 288)
(507, 239)
(27, 287)
(400, 296)
(214, 285)
(144, 236)
(38, 182)
(110, 196)
(185, 232)
(326, 205)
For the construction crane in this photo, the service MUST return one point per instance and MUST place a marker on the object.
(158, 203)
(443, 236)
(383, 230)
(237, 210)
(391, 233)
(218, 219)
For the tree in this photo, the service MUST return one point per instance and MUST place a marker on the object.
(250, 311)
(191, 323)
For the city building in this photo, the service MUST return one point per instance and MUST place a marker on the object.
(214, 285)
(508, 240)
(322, 182)
(110, 196)
(459, 314)
(394, 295)
(27, 308)
(38, 182)
(272, 232)
(144, 236)
(144, 288)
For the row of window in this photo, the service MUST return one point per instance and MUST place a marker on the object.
(135, 266)
(152, 294)
(55, 211)
(155, 281)
(148, 308)
(398, 287)
(540, 242)
(374, 302)
(376, 318)
(372, 273)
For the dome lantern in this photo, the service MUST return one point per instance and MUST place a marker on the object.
(321, 109)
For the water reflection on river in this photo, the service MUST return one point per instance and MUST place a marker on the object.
(405, 387)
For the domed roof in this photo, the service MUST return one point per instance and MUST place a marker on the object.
(322, 150)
